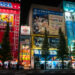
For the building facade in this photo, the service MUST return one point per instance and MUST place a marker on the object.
(41, 17)
(10, 12)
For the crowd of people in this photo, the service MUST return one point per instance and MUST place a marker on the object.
(9, 66)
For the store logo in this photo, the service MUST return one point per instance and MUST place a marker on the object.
(25, 30)
(5, 4)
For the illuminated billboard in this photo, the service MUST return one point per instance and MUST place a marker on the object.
(38, 52)
(25, 50)
(25, 30)
(53, 42)
(56, 22)
(38, 41)
(42, 20)
(25, 40)
(4, 18)
(69, 10)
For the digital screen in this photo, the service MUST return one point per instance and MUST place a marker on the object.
(41, 20)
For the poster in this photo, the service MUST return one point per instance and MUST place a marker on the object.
(25, 30)
(25, 40)
(41, 20)
(25, 50)
(56, 22)
(53, 42)
(4, 18)
(38, 41)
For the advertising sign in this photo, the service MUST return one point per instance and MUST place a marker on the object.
(25, 30)
(53, 42)
(9, 5)
(38, 52)
(69, 6)
(56, 22)
(69, 27)
(41, 21)
(4, 18)
(25, 40)
(25, 50)
(38, 41)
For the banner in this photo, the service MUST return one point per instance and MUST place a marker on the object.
(56, 22)
(41, 21)
(53, 42)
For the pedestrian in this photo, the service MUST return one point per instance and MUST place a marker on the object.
(17, 66)
(9, 65)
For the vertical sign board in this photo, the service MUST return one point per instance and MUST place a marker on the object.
(69, 9)
(25, 46)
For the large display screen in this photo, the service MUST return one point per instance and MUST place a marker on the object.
(42, 20)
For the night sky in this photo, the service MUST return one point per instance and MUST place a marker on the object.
(26, 4)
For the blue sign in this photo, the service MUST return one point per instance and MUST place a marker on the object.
(5, 4)
(69, 6)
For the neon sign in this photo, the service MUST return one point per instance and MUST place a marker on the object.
(69, 6)
(5, 4)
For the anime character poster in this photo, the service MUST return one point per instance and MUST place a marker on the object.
(4, 18)
(38, 41)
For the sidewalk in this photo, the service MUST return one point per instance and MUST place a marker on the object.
(36, 72)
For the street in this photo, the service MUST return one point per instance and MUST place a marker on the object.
(36, 72)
